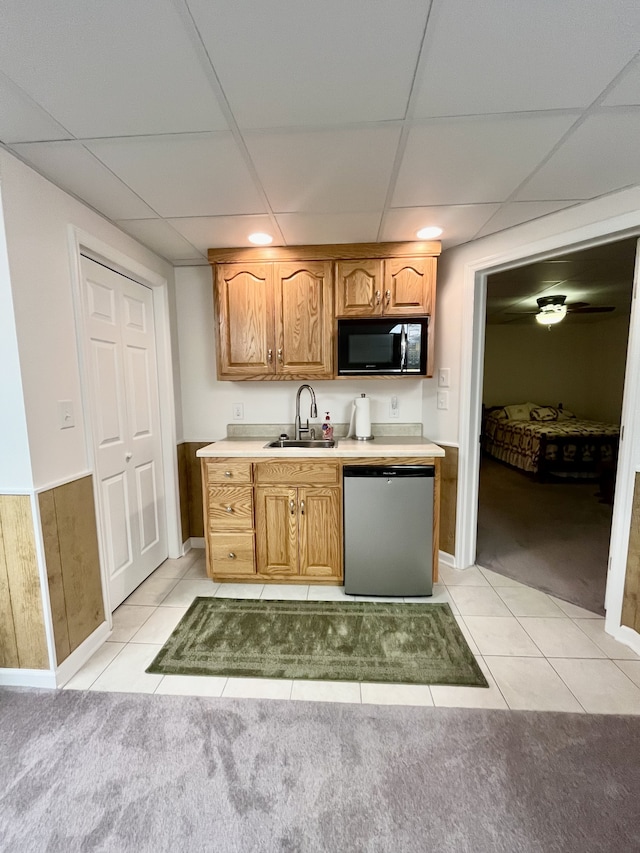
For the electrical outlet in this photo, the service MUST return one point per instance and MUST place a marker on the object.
(443, 377)
(394, 408)
(442, 398)
(238, 411)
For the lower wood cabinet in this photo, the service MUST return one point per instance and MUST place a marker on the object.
(270, 520)
(298, 532)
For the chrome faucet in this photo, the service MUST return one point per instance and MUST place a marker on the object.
(313, 413)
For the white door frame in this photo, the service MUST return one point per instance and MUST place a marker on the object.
(471, 379)
(85, 243)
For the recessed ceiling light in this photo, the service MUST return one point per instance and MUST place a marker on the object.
(260, 239)
(429, 233)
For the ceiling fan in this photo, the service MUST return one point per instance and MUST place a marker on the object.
(553, 309)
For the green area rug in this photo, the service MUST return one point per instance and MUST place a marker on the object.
(323, 640)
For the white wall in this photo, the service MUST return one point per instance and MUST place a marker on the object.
(207, 403)
(15, 465)
(38, 219)
(581, 366)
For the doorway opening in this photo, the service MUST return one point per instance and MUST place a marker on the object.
(551, 412)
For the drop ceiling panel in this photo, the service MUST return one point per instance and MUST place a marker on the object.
(208, 232)
(627, 91)
(305, 228)
(109, 69)
(330, 171)
(73, 168)
(22, 120)
(473, 160)
(160, 237)
(502, 56)
(286, 63)
(189, 175)
(459, 222)
(601, 156)
(521, 211)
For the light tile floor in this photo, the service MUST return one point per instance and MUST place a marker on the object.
(537, 652)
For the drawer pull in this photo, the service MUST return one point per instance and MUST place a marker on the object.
(269, 355)
(378, 294)
(232, 556)
(229, 509)
(387, 294)
(280, 355)
(301, 507)
(228, 474)
(292, 507)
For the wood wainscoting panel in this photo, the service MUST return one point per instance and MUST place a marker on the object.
(8, 646)
(183, 490)
(71, 549)
(448, 500)
(196, 517)
(21, 579)
(631, 599)
(49, 526)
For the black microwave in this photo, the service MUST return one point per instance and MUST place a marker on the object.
(385, 346)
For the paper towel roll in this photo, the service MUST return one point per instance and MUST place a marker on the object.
(363, 417)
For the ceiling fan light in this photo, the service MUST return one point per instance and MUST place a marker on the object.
(551, 314)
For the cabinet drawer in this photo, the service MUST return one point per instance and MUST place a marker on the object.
(228, 472)
(230, 509)
(290, 472)
(232, 553)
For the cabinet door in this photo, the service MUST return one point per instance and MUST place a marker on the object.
(408, 286)
(320, 533)
(303, 318)
(244, 304)
(276, 530)
(359, 286)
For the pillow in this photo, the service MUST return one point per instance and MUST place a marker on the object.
(564, 415)
(499, 414)
(520, 411)
(544, 413)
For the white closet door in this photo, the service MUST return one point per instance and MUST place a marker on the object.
(125, 416)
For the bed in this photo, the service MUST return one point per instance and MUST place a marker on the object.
(548, 440)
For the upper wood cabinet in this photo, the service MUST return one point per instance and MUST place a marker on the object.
(402, 287)
(274, 320)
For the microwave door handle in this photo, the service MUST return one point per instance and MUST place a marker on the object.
(403, 350)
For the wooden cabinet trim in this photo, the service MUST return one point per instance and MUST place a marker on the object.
(327, 252)
(310, 472)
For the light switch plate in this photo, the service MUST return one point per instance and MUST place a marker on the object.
(65, 414)
(443, 377)
(442, 399)
(394, 407)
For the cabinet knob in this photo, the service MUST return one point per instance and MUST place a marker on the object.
(269, 355)
(229, 509)
(387, 295)
(292, 507)
(232, 556)
(280, 355)
(378, 296)
(301, 507)
(227, 473)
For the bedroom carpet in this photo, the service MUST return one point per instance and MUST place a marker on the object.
(136, 773)
(551, 536)
(320, 640)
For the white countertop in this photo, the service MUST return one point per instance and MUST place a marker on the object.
(345, 447)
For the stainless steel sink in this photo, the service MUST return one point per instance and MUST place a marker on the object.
(307, 444)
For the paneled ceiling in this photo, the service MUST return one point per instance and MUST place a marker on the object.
(191, 123)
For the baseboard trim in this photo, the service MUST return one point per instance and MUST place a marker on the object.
(77, 659)
(447, 559)
(196, 542)
(27, 678)
(628, 637)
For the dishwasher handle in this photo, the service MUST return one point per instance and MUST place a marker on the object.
(396, 471)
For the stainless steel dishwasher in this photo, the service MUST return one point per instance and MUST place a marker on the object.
(388, 529)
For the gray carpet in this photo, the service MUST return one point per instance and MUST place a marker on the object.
(128, 772)
(551, 536)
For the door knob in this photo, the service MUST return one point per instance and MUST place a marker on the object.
(128, 456)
